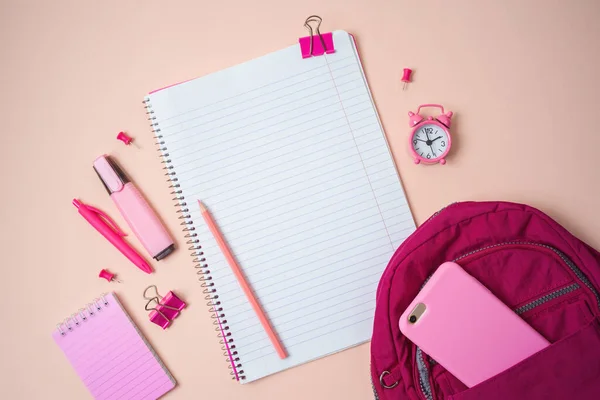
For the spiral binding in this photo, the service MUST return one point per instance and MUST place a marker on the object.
(82, 316)
(214, 305)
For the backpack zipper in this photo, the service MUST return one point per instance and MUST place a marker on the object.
(373, 387)
(575, 269)
(423, 371)
(425, 384)
(546, 298)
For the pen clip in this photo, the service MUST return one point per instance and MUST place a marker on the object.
(108, 220)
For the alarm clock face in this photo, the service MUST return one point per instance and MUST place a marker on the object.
(430, 141)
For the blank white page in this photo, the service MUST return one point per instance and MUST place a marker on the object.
(290, 157)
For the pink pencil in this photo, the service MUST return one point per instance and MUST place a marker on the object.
(240, 277)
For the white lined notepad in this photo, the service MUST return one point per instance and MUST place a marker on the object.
(291, 159)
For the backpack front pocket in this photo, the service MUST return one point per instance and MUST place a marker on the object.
(558, 301)
(567, 369)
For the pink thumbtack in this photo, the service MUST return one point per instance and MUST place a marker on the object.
(122, 136)
(108, 276)
(406, 77)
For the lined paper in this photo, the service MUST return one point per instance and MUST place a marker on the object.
(111, 356)
(290, 158)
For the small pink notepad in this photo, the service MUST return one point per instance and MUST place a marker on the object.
(110, 355)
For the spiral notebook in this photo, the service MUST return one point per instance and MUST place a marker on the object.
(109, 353)
(291, 158)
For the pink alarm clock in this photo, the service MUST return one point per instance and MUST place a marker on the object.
(430, 137)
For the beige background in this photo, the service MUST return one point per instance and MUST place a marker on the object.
(521, 76)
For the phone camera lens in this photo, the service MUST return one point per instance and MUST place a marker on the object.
(412, 319)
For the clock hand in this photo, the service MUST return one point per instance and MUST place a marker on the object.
(439, 137)
(432, 151)
(421, 140)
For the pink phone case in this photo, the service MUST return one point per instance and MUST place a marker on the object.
(467, 329)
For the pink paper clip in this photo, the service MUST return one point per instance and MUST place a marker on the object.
(167, 308)
(309, 47)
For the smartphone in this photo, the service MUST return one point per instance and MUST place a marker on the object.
(459, 323)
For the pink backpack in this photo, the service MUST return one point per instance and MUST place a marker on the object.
(535, 266)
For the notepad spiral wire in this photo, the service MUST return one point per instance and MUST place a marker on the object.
(72, 322)
(216, 310)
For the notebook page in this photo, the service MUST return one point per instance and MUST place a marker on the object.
(290, 158)
(111, 356)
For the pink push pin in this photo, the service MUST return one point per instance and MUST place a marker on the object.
(108, 276)
(406, 77)
(122, 136)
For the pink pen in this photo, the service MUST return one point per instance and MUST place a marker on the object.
(107, 227)
(142, 220)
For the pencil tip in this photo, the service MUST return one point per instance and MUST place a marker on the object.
(202, 207)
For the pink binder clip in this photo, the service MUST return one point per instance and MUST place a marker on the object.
(166, 308)
(171, 300)
(157, 314)
(310, 47)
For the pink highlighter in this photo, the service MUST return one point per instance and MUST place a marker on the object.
(142, 220)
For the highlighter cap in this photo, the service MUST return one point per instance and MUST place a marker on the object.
(112, 176)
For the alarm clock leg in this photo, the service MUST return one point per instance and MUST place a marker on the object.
(443, 161)
(417, 161)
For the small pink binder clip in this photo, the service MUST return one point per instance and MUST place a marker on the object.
(310, 47)
(157, 316)
(165, 309)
